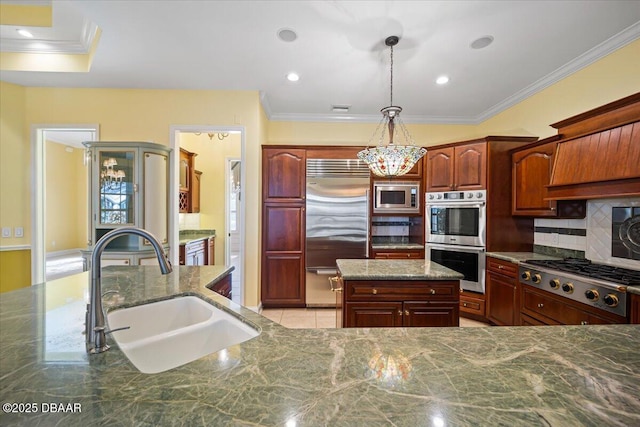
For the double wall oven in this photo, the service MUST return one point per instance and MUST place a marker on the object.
(456, 234)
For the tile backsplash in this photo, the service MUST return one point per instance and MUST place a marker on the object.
(591, 235)
(189, 221)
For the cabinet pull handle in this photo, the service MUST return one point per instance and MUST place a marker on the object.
(399, 312)
(433, 291)
(406, 312)
(374, 291)
(500, 267)
(540, 305)
(584, 322)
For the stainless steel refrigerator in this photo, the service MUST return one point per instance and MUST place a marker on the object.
(336, 222)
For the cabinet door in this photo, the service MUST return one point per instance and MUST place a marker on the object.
(283, 174)
(470, 166)
(195, 191)
(635, 308)
(156, 192)
(502, 303)
(105, 262)
(116, 182)
(531, 173)
(283, 280)
(372, 314)
(440, 169)
(425, 314)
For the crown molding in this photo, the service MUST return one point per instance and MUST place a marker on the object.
(88, 34)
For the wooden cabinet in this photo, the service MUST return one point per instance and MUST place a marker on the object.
(462, 167)
(190, 178)
(283, 227)
(635, 308)
(389, 303)
(473, 305)
(223, 286)
(211, 251)
(531, 174)
(398, 254)
(548, 309)
(503, 306)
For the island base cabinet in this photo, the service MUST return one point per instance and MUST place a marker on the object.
(380, 303)
(635, 308)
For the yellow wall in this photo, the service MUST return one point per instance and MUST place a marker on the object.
(211, 161)
(146, 115)
(66, 204)
(15, 265)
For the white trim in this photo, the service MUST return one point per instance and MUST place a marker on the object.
(65, 252)
(9, 248)
(38, 192)
(79, 46)
(174, 175)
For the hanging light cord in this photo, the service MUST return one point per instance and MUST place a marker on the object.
(391, 100)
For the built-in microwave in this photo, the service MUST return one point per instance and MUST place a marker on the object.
(396, 197)
(456, 218)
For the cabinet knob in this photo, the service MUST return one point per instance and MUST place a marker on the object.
(584, 322)
(433, 291)
(374, 291)
(399, 312)
(406, 312)
(464, 304)
(540, 305)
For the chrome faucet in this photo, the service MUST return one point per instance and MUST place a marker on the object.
(95, 323)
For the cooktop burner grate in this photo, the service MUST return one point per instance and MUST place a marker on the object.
(585, 267)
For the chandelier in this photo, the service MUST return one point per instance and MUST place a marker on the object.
(391, 159)
(109, 174)
(220, 135)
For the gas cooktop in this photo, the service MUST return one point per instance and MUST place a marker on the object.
(584, 267)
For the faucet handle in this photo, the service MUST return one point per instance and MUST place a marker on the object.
(117, 329)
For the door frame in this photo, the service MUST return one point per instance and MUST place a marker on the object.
(227, 196)
(174, 183)
(39, 191)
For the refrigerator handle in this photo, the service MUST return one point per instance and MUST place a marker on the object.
(366, 251)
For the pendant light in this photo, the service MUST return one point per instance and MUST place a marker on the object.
(391, 160)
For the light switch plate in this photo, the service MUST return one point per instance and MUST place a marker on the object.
(6, 231)
(18, 232)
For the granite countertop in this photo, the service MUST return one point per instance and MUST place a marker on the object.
(516, 376)
(186, 236)
(518, 257)
(394, 269)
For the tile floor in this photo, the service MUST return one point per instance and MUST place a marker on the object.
(322, 318)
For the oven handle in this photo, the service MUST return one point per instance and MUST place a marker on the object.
(456, 248)
(457, 205)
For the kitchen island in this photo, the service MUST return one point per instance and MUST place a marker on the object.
(529, 376)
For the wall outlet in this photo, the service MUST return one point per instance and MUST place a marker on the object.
(6, 231)
(555, 238)
(18, 232)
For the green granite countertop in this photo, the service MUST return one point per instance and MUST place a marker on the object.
(511, 376)
(186, 236)
(394, 269)
(518, 257)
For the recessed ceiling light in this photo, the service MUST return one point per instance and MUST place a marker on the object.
(442, 80)
(482, 42)
(293, 77)
(287, 35)
(25, 33)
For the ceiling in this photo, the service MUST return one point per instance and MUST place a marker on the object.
(339, 52)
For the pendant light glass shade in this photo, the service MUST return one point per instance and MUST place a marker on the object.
(391, 160)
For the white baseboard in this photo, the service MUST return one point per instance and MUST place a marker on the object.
(65, 252)
(257, 309)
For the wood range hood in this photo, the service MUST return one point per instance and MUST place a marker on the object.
(598, 153)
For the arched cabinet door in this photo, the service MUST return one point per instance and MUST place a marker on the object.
(531, 172)
(283, 174)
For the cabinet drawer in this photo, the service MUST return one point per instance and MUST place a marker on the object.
(472, 305)
(399, 255)
(401, 290)
(502, 267)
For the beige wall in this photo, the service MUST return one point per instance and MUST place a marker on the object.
(66, 205)
(147, 115)
(211, 161)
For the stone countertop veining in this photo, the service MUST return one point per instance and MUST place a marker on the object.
(186, 236)
(518, 257)
(516, 376)
(396, 269)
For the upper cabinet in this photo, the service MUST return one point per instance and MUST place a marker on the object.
(189, 193)
(461, 167)
(283, 174)
(129, 187)
(531, 174)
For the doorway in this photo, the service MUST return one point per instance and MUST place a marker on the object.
(213, 147)
(60, 199)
